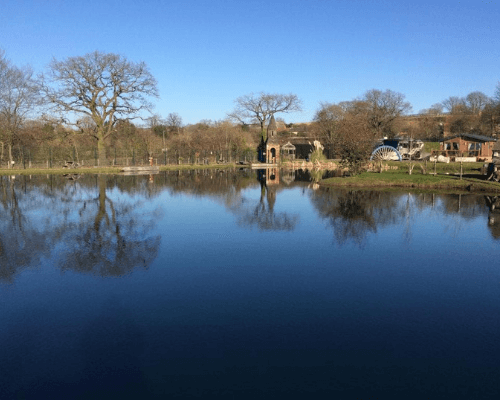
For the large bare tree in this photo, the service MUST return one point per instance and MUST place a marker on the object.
(476, 101)
(384, 107)
(455, 105)
(105, 87)
(18, 96)
(262, 106)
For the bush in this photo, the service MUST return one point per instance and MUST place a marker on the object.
(317, 155)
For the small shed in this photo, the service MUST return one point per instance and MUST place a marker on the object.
(468, 145)
(303, 146)
(288, 150)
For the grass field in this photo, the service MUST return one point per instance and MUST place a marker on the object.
(447, 177)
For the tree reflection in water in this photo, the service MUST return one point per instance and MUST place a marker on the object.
(21, 245)
(493, 203)
(354, 214)
(85, 229)
(107, 239)
(76, 224)
(263, 215)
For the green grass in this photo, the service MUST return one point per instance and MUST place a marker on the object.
(430, 146)
(400, 178)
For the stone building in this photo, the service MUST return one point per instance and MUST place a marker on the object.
(269, 149)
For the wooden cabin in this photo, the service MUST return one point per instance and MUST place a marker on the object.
(468, 145)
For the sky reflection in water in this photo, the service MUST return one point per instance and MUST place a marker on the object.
(212, 283)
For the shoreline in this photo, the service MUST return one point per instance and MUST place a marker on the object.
(105, 170)
(442, 183)
(393, 177)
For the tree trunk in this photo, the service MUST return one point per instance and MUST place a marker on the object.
(101, 153)
(10, 156)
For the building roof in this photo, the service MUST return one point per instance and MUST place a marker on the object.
(272, 124)
(288, 146)
(470, 136)
(300, 140)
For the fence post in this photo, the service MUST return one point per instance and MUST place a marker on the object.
(461, 166)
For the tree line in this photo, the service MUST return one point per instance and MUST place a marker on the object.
(100, 106)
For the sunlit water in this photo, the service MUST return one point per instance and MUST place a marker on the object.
(215, 284)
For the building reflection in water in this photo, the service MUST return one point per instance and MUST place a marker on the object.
(263, 215)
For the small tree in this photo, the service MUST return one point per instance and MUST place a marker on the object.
(18, 97)
(174, 122)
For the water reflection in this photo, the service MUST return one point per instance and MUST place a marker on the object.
(263, 215)
(102, 224)
(354, 214)
(21, 244)
(493, 203)
(87, 230)
(108, 238)
(243, 311)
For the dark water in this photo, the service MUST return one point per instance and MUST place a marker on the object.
(214, 284)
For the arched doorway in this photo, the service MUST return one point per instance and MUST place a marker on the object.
(273, 156)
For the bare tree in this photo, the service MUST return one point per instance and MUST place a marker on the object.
(103, 86)
(346, 125)
(174, 122)
(454, 105)
(496, 96)
(18, 96)
(435, 109)
(476, 101)
(262, 106)
(328, 121)
(383, 109)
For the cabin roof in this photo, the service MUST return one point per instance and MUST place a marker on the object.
(470, 136)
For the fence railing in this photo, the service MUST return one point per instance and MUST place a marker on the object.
(58, 159)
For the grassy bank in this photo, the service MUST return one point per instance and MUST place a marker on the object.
(442, 181)
(103, 170)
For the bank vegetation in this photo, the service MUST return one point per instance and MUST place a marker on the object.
(97, 110)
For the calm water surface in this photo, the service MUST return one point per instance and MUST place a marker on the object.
(218, 284)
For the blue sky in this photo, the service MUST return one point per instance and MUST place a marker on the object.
(205, 54)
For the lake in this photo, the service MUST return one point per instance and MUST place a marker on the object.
(245, 284)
